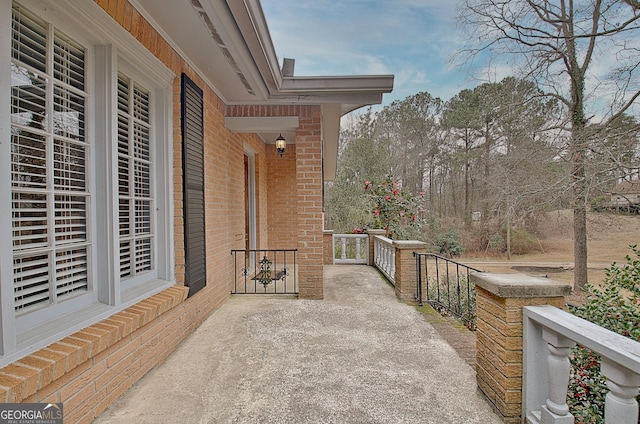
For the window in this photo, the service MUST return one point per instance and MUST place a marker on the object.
(90, 174)
(134, 179)
(48, 163)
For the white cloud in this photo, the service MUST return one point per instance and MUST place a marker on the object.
(411, 39)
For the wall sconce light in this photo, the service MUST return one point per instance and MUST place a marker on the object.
(281, 144)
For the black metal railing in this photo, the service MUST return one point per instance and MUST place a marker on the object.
(260, 271)
(446, 285)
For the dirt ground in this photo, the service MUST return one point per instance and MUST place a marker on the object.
(609, 237)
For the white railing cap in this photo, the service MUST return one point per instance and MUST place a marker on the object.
(619, 349)
(354, 235)
(383, 239)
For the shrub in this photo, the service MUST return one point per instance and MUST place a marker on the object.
(447, 244)
(455, 296)
(497, 243)
(615, 305)
(393, 208)
(599, 204)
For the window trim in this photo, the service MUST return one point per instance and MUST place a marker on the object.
(252, 195)
(109, 45)
(45, 313)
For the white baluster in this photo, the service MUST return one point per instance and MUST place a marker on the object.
(344, 248)
(387, 260)
(556, 410)
(358, 248)
(620, 405)
(393, 262)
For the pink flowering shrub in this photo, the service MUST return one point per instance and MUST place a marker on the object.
(393, 208)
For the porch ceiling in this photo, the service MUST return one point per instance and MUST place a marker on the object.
(228, 43)
(268, 128)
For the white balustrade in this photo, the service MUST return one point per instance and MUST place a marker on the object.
(549, 334)
(385, 256)
(358, 244)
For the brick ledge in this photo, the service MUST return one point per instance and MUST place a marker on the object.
(26, 376)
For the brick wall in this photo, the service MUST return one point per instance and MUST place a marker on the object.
(283, 194)
(88, 370)
(327, 241)
(310, 219)
(406, 282)
(294, 186)
(91, 368)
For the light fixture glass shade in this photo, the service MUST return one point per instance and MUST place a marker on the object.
(281, 144)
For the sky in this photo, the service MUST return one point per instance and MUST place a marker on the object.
(411, 39)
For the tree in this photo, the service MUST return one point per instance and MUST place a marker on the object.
(461, 116)
(412, 128)
(613, 153)
(361, 157)
(503, 140)
(523, 178)
(556, 44)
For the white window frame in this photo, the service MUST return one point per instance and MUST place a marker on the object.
(251, 207)
(110, 49)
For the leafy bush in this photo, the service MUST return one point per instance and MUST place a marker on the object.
(447, 244)
(599, 204)
(497, 243)
(393, 208)
(454, 296)
(615, 305)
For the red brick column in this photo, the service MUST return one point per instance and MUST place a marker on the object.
(309, 185)
(372, 235)
(327, 246)
(406, 280)
(500, 299)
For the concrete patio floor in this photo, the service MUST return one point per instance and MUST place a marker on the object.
(359, 356)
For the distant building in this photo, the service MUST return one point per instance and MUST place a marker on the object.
(626, 195)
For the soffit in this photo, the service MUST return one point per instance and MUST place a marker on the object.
(227, 42)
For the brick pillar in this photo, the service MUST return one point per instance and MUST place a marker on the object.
(327, 247)
(309, 204)
(499, 302)
(406, 280)
(372, 236)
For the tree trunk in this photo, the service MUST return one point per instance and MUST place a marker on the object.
(509, 232)
(487, 172)
(580, 277)
(467, 193)
(578, 157)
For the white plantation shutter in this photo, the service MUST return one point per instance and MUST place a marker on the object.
(134, 179)
(48, 161)
(89, 213)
